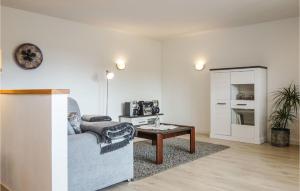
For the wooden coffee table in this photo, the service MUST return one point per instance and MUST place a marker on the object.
(157, 137)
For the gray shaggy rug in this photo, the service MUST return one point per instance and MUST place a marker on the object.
(176, 152)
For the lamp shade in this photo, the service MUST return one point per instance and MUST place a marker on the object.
(109, 75)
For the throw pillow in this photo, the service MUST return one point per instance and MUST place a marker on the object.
(70, 129)
(75, 120)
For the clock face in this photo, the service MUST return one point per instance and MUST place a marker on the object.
(28, 56)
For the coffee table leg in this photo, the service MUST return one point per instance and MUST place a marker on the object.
(192, 141)
(159, 149)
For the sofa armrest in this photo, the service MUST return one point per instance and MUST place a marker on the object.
(83, 150)
(95, 118)
(90, 170)
(83, 145)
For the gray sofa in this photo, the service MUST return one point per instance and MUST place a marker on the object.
(88, 170)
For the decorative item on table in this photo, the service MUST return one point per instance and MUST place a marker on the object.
(157, 121)
(155, 107)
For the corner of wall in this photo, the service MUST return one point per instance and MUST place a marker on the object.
(162, 74)
(0, 96)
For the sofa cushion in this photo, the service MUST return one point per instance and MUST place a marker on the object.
(75, 120)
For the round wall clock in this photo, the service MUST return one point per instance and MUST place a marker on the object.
(28, 56)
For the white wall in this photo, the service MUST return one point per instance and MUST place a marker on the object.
(186, 92)
(76, 57)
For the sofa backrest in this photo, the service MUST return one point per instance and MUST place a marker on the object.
(73, 106)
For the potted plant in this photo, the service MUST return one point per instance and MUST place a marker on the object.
(285, 109)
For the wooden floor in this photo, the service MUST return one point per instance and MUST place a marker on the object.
(241, 167)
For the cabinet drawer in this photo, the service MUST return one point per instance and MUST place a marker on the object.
(139, 120)
(246, 77)
(242, 104)
(142, 120)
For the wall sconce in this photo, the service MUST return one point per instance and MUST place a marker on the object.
(120, 64)
(200, 64)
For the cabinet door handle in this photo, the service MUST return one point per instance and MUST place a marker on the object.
(221, 103)
(241, 104)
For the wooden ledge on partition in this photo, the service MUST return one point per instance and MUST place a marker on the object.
(35, 91)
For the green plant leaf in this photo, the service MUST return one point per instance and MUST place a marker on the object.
(285, 106)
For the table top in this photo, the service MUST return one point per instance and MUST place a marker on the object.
(180, 128)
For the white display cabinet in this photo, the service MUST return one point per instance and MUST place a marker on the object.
(239, 104)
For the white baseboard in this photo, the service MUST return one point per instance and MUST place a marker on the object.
(243, 140)
(203, 131)
(294, 142)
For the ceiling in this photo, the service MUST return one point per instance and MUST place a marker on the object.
(160, 19)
